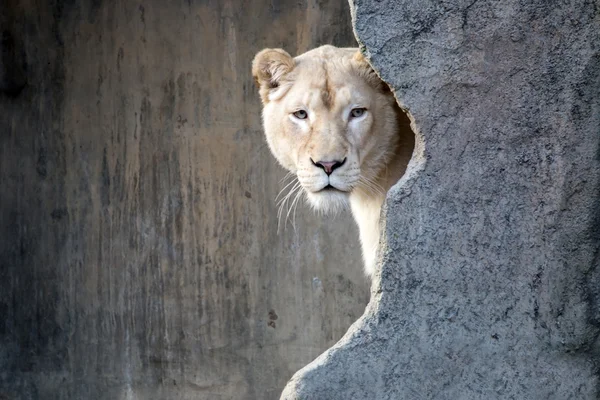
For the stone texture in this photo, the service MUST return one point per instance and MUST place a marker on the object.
(490, 279)
(139, 254)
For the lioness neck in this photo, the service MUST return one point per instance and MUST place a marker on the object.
(366, 210)
(366, 206)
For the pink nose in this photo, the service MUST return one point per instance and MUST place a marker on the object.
(328, 166)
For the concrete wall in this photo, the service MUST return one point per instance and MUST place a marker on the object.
(139, 254)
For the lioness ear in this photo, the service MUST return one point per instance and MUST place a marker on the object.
(359, 57)
(268, 68)
(368, 73)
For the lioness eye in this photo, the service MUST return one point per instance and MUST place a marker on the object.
(357, 112)
(300, 114)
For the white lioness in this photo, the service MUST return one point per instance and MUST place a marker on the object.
(330, 120)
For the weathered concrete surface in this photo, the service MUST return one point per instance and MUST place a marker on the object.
(139, 257)
(490, 281)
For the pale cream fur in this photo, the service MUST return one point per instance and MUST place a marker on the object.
(330, 84)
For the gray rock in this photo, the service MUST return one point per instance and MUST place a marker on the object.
(489, 286)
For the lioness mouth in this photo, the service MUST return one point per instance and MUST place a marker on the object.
(328, 188)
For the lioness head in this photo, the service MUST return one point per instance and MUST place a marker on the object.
(329, 119)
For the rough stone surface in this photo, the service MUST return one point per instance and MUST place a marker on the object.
(139, 254)
(490, 278)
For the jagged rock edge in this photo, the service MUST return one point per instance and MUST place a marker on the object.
(359, 332)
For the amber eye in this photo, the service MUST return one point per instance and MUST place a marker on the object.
(357, 112)
(300, 114)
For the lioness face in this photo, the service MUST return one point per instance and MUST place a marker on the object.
(328, 119)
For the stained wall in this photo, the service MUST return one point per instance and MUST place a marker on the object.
(139, 250)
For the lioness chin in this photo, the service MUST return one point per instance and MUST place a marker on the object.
(332, 122)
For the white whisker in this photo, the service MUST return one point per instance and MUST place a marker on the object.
(288, 175)
(292, 190)
(371, 185)
(284, 201)
(291, 207)
(294, 214)
(285, 187)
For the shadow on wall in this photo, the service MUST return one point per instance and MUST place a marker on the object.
(12, 58)
(139, 255)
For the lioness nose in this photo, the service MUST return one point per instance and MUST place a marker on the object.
(328, 166)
